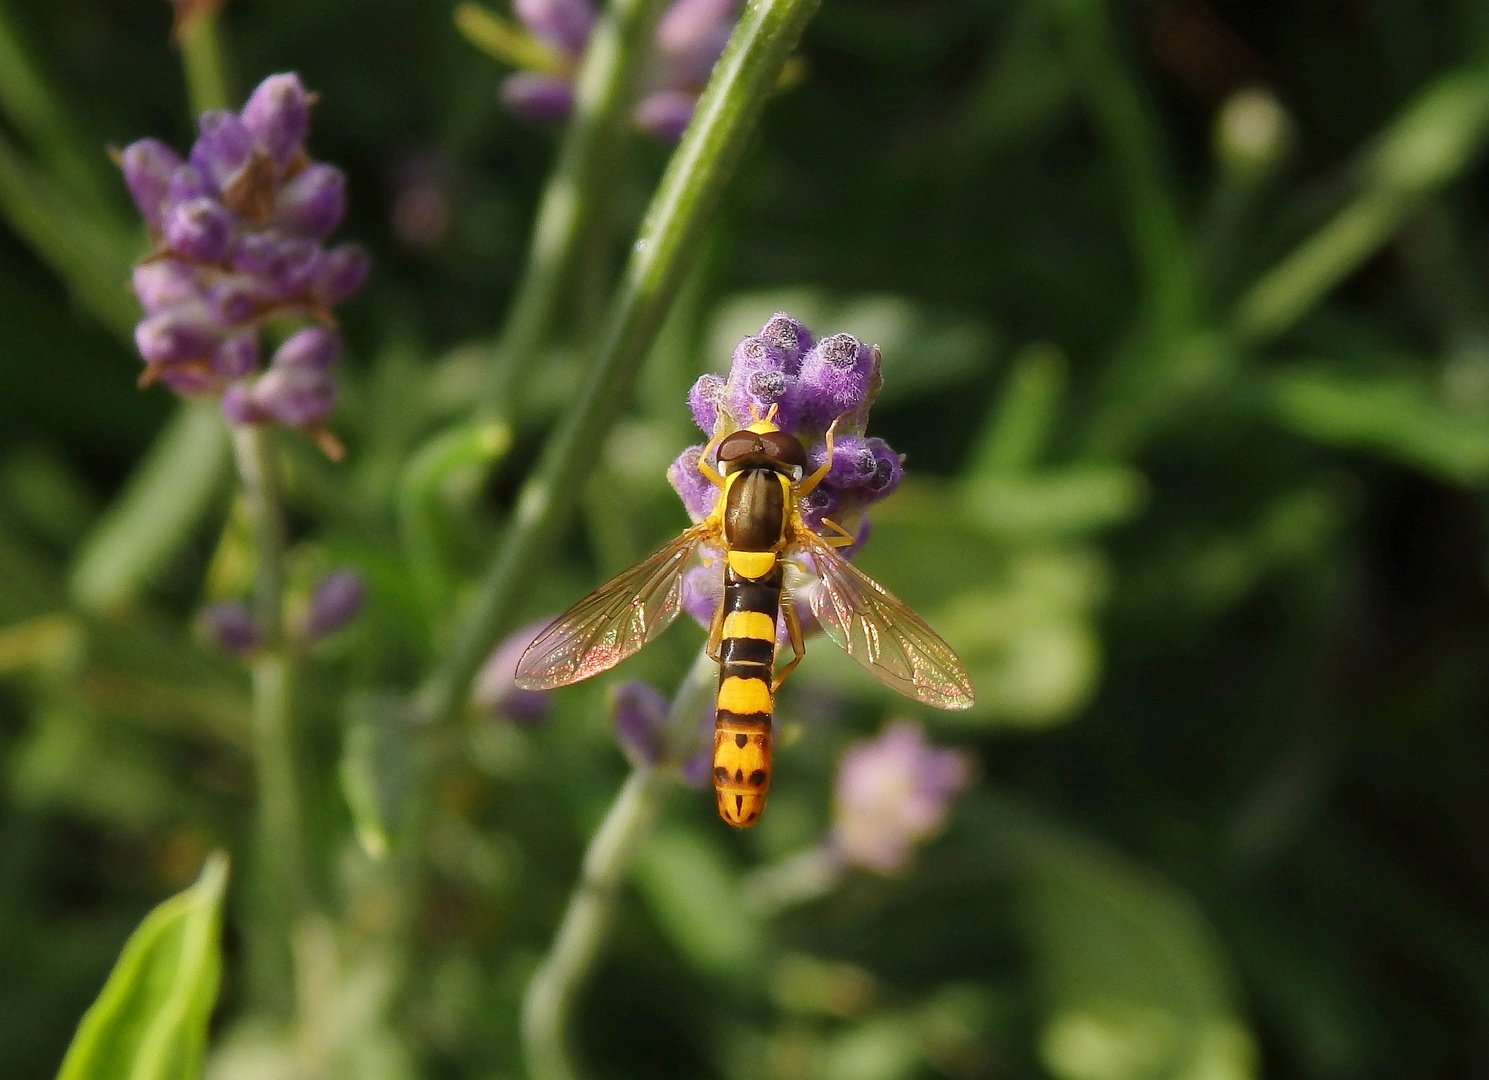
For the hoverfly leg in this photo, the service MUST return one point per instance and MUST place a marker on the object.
(817, 477)
(709, 472)
(843, 538)
(798, 642)
(716, 633)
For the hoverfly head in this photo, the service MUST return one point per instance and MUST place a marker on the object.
(762, 444)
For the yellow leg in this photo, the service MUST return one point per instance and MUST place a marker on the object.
(798, 643)
(843, 538)
(709, 473)
(816, 478)
(716, 632)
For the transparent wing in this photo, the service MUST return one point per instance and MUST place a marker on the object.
(874, 626)
(612, 622)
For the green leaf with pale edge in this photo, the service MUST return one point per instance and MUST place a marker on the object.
(150, 1021)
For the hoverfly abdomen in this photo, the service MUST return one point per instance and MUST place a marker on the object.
(741, 742)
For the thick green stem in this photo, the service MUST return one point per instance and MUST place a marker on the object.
(575, 200)
(669, 238)
(280, 843)
(549, 1002)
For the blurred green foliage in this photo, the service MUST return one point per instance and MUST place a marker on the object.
(1193, 383)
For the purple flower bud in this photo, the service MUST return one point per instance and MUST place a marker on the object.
(889, 469)
(497, 693)
(186, 332)
(692, 487)
(188, 183)
(315, 347)
(640, 713)
(760, 375)
(891, 793)
(537, 97)
(199, 229)
(834, 379)
(296, 395)
(789, 337)
(822, 501)
(693, 33)
(233, 300)
(313, 202)
(238, 406)
(148, 165)
(564, 24)
(853, 462)
(283, 267)
(229, 625)
(237, 356)
(342, 272)
(335, 603)
(277, 116)
(192, 379)
(164, 283)
(222, 148)
(665, 114)
(704, 400)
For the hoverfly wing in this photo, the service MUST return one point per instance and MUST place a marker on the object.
(612, 622)
(876, 628)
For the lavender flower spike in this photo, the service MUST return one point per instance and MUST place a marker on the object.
(892, 793)
(238, 232)
(497, 694)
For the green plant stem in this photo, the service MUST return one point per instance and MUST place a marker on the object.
(550, 995)
(549, 1001)
(281, 845)
(578, 193)
(202, 58)
(669, 238)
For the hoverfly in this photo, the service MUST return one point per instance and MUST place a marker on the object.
(757, 523)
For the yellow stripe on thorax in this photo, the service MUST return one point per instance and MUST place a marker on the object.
(752, 564)
(749, 624)
(744, 696)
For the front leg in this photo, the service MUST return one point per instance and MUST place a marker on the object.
(843, 538)
(817, 477)
(716, 633)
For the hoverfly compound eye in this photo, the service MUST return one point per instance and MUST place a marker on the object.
(783, 447)
(740, 444)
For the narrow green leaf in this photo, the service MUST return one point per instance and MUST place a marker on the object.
(150, 1021)
(696, 898)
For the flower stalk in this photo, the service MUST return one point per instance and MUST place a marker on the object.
(549, 1002)
(669, 238)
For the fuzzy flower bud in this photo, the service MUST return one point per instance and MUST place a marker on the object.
(199, 230)
(148, 166)
(666, 114)
(891, 793)
(277, 116)
(295, 395)
(222, 148)
(834, 379)
(228, 624)
(564, 24)
(185, 332)
(313, 202)
(640, 713)
(335, 603)
(537, 96)
(342, 271)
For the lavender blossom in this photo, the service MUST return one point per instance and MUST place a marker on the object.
(335, 602)
(690, 38)
(891, 793)
(640, 715)
(811, 384)
(237, 231)
(228, 624)
(497, 694)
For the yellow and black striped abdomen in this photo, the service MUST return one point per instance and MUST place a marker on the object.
(741, 742)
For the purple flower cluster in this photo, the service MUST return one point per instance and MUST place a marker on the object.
(811, 384)
(238, 231)
(690, 38)
(891, 793)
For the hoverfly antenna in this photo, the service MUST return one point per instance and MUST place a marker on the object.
(770, 414)
(754, 412)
